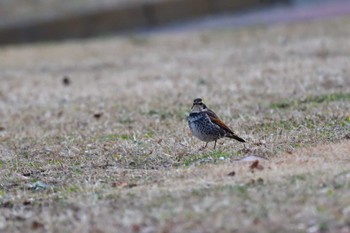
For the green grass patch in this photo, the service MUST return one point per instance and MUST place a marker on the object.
(24, 154)
(298, 177)
(317, 99)
(149, 134)
(272, 126)
(76, 170)
(126, 120)
(282, 104)
(346, 121)
(73, 188)
(58, 162)
(114, 137)
(327, 98)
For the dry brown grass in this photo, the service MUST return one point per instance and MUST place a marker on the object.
(114, 147)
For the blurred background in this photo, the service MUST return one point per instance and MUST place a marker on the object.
(23, 21)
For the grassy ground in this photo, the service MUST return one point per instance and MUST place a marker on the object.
(109, 149)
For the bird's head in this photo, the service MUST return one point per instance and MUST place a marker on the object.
(198, 105)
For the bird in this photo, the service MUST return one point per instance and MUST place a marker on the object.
(207, 126)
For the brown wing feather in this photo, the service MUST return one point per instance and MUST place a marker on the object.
(213, 117)
(219, 122)
(211, 113)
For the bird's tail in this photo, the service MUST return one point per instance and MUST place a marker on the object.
(234, 136)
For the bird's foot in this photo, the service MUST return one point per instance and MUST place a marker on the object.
(203, 147)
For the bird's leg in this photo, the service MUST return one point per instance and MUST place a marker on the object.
(214, 144)
(202, 148)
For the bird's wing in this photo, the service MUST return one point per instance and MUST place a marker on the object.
(212, 113)
(215, 119)
(229, 133)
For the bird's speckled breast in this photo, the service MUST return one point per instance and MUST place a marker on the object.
(202, 127)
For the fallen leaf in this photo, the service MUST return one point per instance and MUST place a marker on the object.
(233, 173)
(132, 185)
(26, 202)
(36, 225)
(136, 228)
(60, 113)
(27, 173)
(98, 115)
(7, 204)
(256, 166)
(123, 185)
(66, 81)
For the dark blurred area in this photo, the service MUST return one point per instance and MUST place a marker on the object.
(23, 21)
